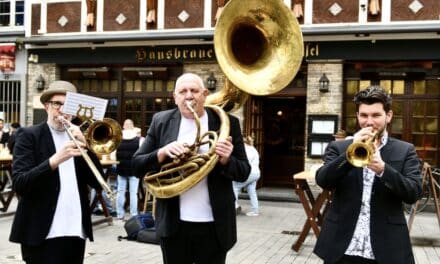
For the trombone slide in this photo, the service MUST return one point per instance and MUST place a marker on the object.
(91, 165)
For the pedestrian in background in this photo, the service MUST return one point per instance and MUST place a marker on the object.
(124, 154)
(251, 183)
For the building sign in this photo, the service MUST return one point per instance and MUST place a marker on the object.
(7, 57)
(175, 54)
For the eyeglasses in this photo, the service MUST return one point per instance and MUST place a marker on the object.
(56, 104)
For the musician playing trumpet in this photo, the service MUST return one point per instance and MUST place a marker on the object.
(199, 225)
(365, 222)
(53, 219)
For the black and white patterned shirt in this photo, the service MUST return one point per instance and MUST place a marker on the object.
(360, 244)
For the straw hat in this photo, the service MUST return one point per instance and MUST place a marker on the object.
(57, 87)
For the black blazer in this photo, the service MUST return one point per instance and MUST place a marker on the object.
(37, 186)
(163, 130)
(401, 182)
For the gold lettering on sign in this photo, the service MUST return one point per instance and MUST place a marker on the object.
(174, 54)
(311, 50)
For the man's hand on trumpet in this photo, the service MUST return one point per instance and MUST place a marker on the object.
(377, 164)
(364, 134)
(367, 133)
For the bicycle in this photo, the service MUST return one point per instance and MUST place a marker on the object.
(430, 180)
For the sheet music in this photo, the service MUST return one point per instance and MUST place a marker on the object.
(75, 101)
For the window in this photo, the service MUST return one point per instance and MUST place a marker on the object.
(10, 101)
(11, 13)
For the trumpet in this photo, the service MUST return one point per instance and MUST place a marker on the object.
(360, 153)
(112, 131)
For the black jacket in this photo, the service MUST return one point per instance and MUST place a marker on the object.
(165, 129)
(124, 155)
(400, 182)
(38, 186)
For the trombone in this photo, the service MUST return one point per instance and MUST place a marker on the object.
(360, 153)
(98, 135)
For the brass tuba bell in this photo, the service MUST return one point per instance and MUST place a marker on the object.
(259, 47)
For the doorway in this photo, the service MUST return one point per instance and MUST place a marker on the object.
(284, 139)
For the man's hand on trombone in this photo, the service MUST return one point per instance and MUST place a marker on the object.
(71, 148)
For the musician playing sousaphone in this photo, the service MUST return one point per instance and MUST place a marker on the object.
(53, 219)
(197, 226)
(371, 176)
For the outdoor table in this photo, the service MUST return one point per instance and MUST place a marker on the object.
(106, 165)
(5, 195)
(313, 207)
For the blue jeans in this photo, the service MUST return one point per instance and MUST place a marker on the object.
(251, 186)
(133, 185)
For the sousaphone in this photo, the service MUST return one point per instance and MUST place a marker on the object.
(259, 48)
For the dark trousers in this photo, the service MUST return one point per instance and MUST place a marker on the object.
(346, 259)
(193, 243)
(66, 250)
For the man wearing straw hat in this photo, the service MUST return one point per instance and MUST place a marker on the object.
(53, 218)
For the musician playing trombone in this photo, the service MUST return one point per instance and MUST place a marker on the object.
(53, 219)
(365, 222)
(199, 225)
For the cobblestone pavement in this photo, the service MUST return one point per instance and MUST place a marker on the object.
(260, 239)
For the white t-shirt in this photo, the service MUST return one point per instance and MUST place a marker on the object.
(67, 220)
(195, 205)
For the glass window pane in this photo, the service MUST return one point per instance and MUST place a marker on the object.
(129, 86)
(419, 87)
(86, 86)
(432, 108)
(149, 104)
(364, 84)
(352, 87)
(431, 125)
(150, 85)
(398, 87)
(417, 140)
(93, 85)
(138, 86)
(431, 141)
(170, 86)
(350, 108)
(418, 108)
(433, 87)
(418, 125)
(158, 85)
(106, 86)
(397, 125)
(397, 108)
(385, 84)
(114, 86)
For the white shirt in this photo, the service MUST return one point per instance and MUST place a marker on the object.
(360, 244)
(67, 220)
(195, 205)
